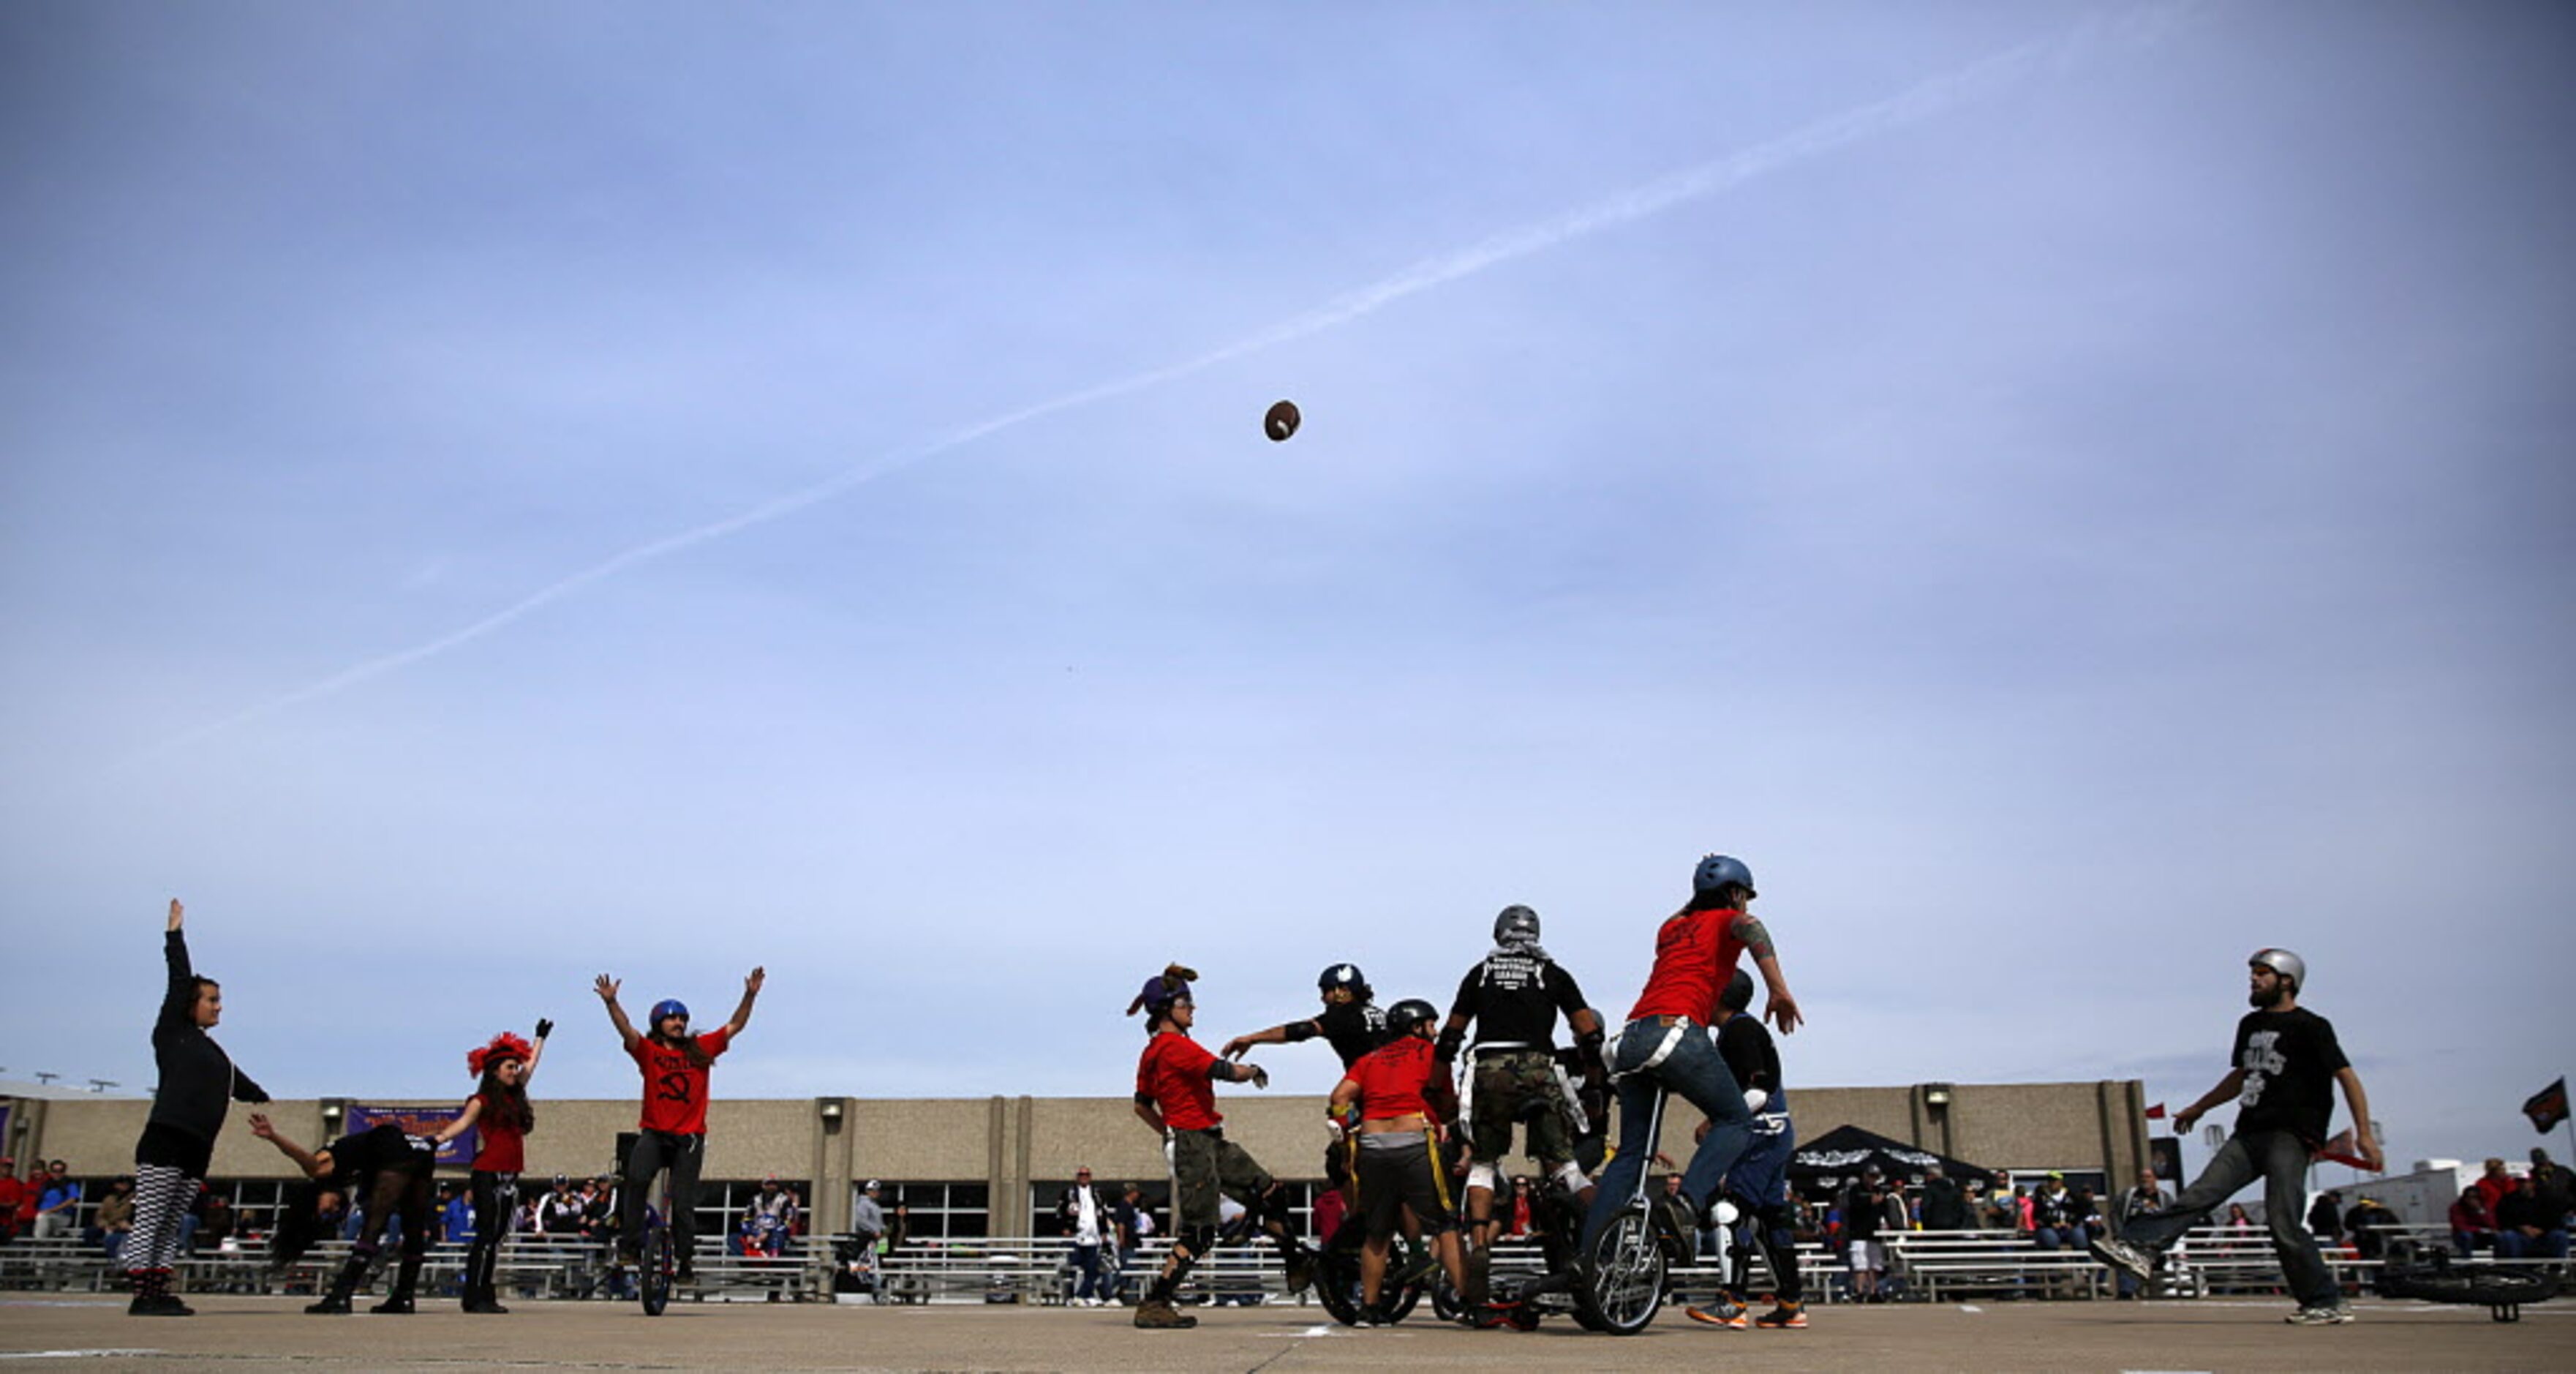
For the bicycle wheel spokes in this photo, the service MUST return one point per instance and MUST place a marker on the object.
(1627, 1274)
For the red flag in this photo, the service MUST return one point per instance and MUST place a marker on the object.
(2342, 1150)
(2547, 1107)
(2156, 1112)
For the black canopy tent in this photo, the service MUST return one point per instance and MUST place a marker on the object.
(1838, 1156)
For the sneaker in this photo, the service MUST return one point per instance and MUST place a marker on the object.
(1158, 1314)
(1787, 1316)
(1721, 1313)
(2335, 1315)
(1374, 1316)
(688, 1273)
(393, 1307)
(336, 1305)
(1493, 1316)
(158, 1305)
(2121, 1255)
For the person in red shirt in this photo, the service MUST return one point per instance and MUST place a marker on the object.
(1666, 1045)
(1399, 1097)
(673, 1131)
(1176, 1098)
(499, 1107)
(13, 1195)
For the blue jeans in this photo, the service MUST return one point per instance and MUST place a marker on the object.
(1086, 1263)
(1692, 1072)
(2512, 1244)
(2280, 1159)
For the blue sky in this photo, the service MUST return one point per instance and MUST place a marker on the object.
(495, 494)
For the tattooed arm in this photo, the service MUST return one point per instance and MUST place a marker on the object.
(1781, 1008)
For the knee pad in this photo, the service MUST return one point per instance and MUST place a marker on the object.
(1481, 1176)
(1570, 1178)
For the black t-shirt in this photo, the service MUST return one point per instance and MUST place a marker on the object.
(1354, 1028)
(363, 1155)
(1864, 1209)
(1514, 1000)
(2290, 1059)
(1752, 1055)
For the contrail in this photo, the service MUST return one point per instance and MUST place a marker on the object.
(1978, 80)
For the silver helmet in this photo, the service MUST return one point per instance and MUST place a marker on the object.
(2284, 963)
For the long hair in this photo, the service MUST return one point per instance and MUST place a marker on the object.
(299, 1222)
(507, 1103)
(686, 1044)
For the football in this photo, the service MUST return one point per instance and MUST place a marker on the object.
(1281, 421)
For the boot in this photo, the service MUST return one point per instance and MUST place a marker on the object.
(1480, 1278)
(398, 1302)
(1301, 1268)
(1158, 1314)
(336, 1302)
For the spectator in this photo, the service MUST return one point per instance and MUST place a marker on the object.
(2056, 1224)
(598, 1224)
(1127, 1217)
(2368, 1225)
(560, 1214)
(2023, 1212)
(216, 1221)
(773, 1218)
(1084, 1219)
(455, 1215)
(13, 1196)
(1523, 1189)
(2237, 1217)
(2551, 1183)
(2525, 1230)
(2325, 1218)
(1864, 1209)
(60, 1203)
(115, 1218)
(528, 1219)
(1945, 1203)
(2145, 1200)
(2472, 1225)
(1974, 1208)
(2493, 1185)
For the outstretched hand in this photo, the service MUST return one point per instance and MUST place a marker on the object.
(1236, 1048)
(607, 988)
(261, 1126)
(178, 914)
(1260, 1075)
(1782, 1009)
(751, 985)
(544, 1028)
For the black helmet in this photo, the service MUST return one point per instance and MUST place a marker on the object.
(1515, 923)
(1343, 978)
(1404, 1016)
(1717, 870)
(1739, 991)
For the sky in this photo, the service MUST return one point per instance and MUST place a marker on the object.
(2071, 494)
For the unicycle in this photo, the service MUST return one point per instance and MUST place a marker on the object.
(1619, 1277)
(658, 1264)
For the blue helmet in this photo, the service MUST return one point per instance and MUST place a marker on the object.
(670, 1006)
(1717, 870)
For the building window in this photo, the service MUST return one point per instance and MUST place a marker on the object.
(935, 1211)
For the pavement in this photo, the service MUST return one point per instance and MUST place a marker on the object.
(93, 1333)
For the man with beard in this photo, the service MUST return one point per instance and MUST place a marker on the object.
(2288, 1063)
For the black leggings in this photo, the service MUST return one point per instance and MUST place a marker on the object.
(496, 1196)
(653, 1150)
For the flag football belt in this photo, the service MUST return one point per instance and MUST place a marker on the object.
(1680, 1027)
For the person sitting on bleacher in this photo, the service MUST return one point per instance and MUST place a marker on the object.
(2472, 1225)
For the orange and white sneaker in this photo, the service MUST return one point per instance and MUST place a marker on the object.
(1787, 1316)
(1724, 1311)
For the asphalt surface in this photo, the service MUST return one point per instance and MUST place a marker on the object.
(93, 1333)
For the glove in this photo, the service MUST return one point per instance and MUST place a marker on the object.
(544, 1028)
(1754, 1098)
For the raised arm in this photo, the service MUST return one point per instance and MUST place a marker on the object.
(305, 1159)
(607, 988)
(537, 1051)
(179, 1004)
(750, 994)
(1284, 1034)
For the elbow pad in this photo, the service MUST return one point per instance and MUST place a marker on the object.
(1295, 1031)
(1590, 1041)
(1445, 1048)
(1754, 1099)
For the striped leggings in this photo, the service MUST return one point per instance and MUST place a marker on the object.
(162, 1195)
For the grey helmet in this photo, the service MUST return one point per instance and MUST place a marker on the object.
(1717, 870)
(2284, 963)
(1517, 924)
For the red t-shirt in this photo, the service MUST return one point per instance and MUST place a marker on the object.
(1393, 1077)
(13, 1193)
(675, 1090)
(1174, 1073)
(1695, 956)
(502, 1149)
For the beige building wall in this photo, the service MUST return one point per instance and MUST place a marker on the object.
(1009, 1142)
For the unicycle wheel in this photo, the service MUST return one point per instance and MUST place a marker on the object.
(655, 1279)
(1619, 1283)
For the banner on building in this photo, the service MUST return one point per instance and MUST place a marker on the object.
(417, 1121)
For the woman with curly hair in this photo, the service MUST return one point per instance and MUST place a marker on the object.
(499, 1107)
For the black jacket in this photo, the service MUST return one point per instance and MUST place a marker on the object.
(198, 1080)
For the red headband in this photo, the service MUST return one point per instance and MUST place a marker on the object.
(504, 1046)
